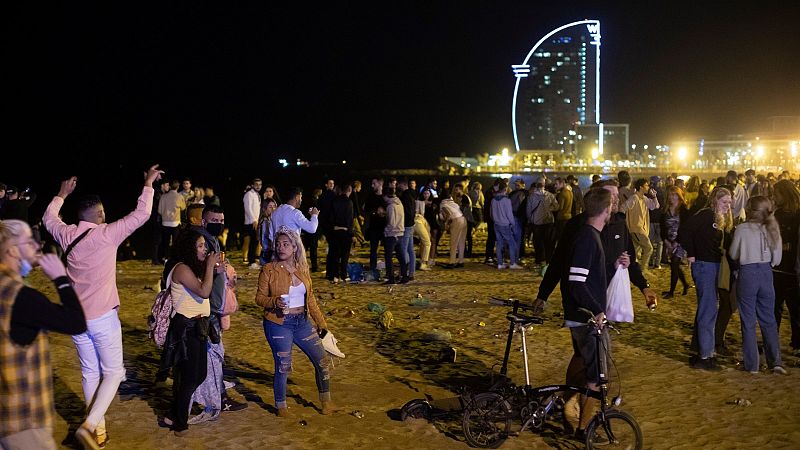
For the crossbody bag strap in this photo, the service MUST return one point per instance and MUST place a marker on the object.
(72, 245)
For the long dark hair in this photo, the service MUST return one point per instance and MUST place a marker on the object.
(185, 250)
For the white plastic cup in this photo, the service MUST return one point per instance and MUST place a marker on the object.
(285, 298)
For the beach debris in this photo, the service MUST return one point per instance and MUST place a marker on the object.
(475, 300)
(461, 332)
(350, 313)
(497, 336)
(303, 423)
(430, 292)
(420, 301)
(437, 335)
(417, 317)
(419, 295)
(148, 288)
(333, 295)
(333, 311)
(357, 414)
(390, 289)
(448, 355)
(741, 402)
(481, 324)
(386, 320)
(376, 307)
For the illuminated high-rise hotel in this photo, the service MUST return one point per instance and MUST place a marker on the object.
(557, 88)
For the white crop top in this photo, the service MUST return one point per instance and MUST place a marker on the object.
(297, 296)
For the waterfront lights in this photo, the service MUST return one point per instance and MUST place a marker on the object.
(760, 151)
(682, 153)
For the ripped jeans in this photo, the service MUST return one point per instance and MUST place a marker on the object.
(296, 329)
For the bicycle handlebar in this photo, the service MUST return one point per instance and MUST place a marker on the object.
(497, 301)
(592, 320)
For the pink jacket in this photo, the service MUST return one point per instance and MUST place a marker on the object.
(92, 264)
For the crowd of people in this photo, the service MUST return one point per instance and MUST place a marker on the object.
(737, 235)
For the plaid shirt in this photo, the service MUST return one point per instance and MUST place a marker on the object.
(26, 382)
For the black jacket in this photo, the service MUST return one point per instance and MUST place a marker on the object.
(615, 238)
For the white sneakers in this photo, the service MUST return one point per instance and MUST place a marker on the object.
(329, 344)
(516, 267)
(502, 266)
(254, 266)
(424, 266)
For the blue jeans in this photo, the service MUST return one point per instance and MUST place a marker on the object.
(296, 329)
(756, 297)
(505, 236)
(407, 247)
(704, 274)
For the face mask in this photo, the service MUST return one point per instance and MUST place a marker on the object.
(25, 267)
(214, 229)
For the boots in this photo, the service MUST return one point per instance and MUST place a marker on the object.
(284, 413)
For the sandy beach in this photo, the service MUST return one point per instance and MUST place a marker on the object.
(676, 406)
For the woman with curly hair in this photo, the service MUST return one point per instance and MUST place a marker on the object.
(286, 294)
(189, 282)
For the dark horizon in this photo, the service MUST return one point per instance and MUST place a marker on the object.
(225, 90)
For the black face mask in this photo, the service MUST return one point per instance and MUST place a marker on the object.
(214, 229)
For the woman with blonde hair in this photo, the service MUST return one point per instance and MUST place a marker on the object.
(286, 294)
(757, 246)
(705, 236)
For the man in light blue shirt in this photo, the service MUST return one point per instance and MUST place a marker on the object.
(288, 215)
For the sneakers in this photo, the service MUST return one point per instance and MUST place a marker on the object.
(516, 267)
(779, 370)
(284, 413)
(254, 266)
(424, 266)
(205, 416)
(229, 404)
(724, 350)
(329, 344)
(502, 266)
(87, 438)
(328, 407)
(695, 362)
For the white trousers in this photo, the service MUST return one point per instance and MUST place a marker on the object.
(100, 354)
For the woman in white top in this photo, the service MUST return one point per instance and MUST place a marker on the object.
(185, 349)
(456, 225)
(757, 247)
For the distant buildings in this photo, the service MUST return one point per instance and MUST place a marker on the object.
(557, 88)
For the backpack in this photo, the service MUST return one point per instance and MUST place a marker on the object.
(160, 314)
(231, 303)
(355, 271)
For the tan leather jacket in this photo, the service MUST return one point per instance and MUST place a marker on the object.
(274, 281)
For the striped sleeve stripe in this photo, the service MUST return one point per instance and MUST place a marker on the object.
(580, 278)
(579, 270)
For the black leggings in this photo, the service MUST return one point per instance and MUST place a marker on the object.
(675, 273)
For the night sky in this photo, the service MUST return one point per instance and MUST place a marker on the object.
(383, 84)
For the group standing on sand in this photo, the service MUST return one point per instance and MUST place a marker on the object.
(740, 239)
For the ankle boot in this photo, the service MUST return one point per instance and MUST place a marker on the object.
(284, 413)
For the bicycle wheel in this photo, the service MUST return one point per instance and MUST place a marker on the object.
(619, 430)
(487, 419)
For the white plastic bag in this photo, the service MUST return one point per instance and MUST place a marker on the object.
(619, 304)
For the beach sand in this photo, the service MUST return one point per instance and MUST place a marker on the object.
(676, 406)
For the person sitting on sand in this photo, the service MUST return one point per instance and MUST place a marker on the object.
(285, 293)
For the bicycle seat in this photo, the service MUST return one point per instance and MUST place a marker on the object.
(523, 320)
